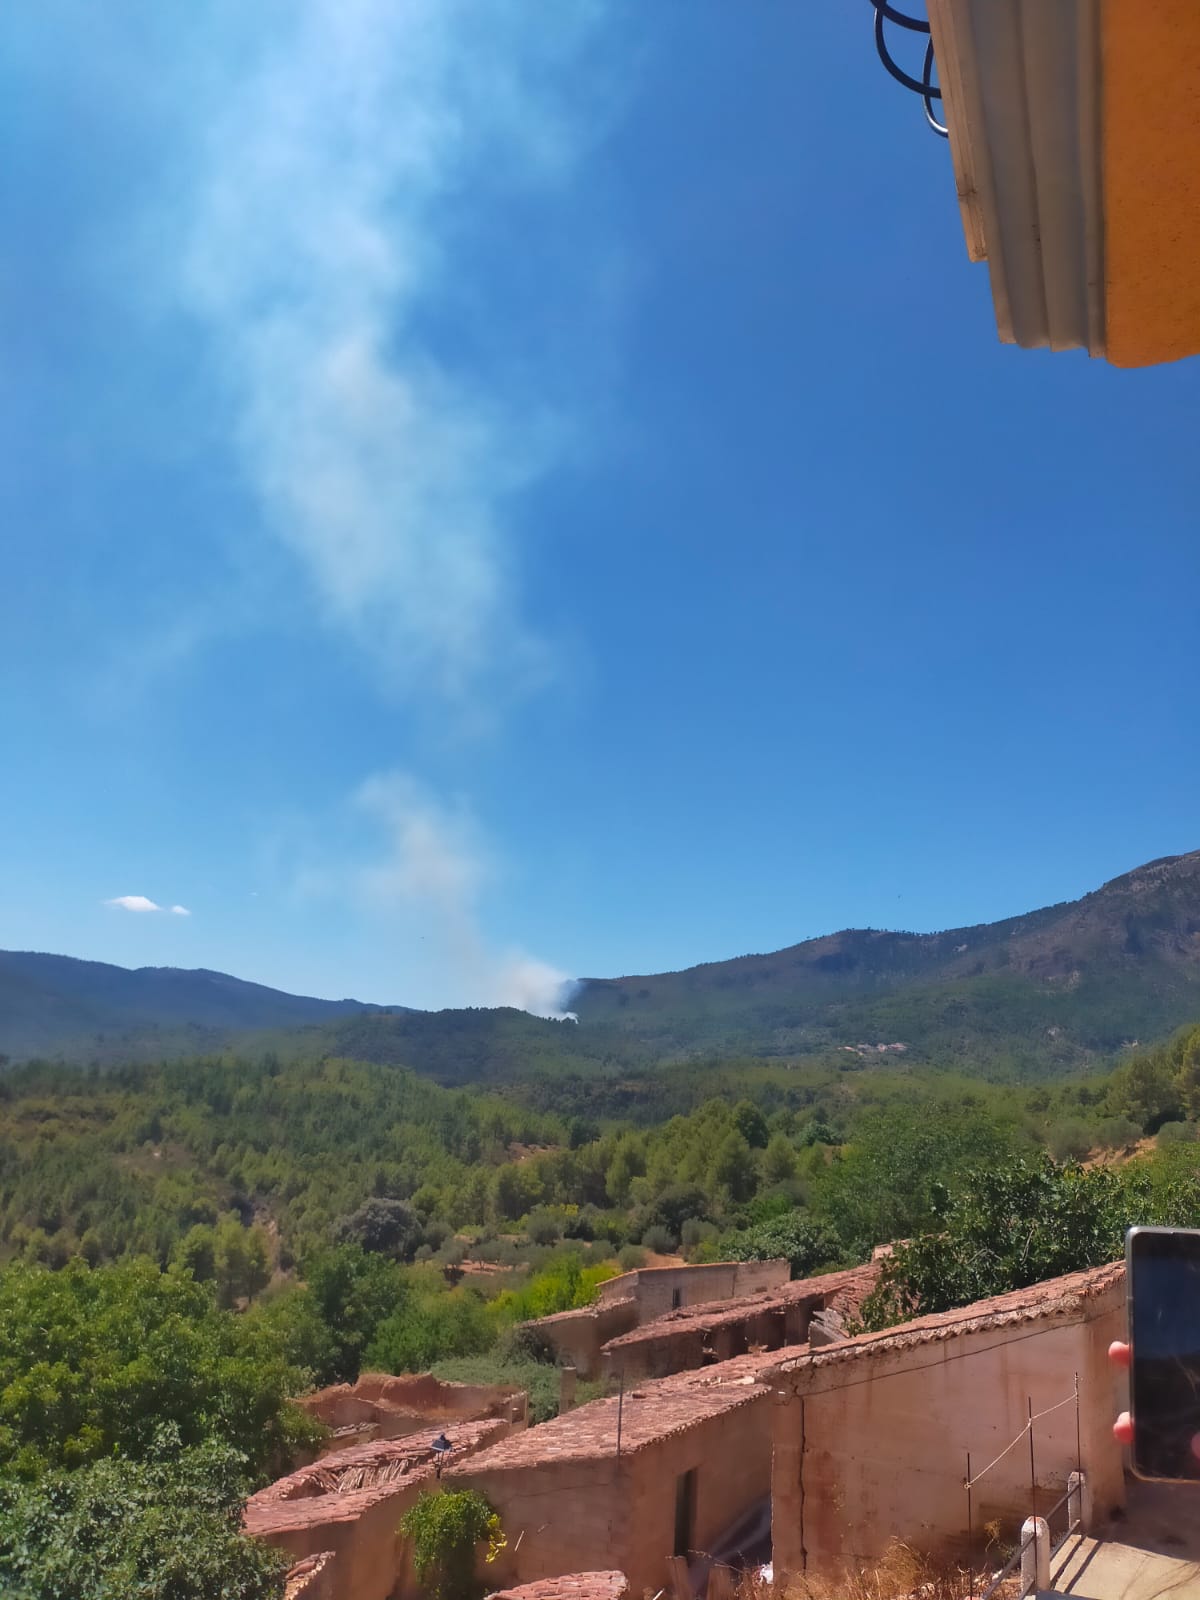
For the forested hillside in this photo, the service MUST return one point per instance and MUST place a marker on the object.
(184, 1246)
(1063, 990)
(91, 1010)
(1065, 987)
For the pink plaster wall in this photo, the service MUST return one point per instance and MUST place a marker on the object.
(875, 1449)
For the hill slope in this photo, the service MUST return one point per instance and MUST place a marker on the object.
(1066, 987)
(1053, 988)
(55, 1005)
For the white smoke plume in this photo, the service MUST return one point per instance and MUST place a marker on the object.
(431, 863)
(339, 158)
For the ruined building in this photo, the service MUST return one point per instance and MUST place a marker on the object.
(819, 1452)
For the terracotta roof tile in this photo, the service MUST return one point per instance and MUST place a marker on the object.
(1055, 1297)
(844, 1291)
(650, 1412)
(341, 1486)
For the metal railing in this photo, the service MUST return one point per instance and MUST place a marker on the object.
(1036, 1532)
(1033, 1552)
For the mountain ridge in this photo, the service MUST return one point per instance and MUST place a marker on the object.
(58, 1005)
(1062, 988)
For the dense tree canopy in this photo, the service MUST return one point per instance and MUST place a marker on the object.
(163, 1528)
(94, 1360)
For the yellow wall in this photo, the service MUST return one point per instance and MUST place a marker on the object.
(1151, 178)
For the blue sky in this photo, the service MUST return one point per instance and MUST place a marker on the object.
(486, 500)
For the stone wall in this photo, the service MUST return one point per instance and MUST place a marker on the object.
(576, 1337)
(871, 1437)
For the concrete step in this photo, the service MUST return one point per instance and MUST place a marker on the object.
(1093, 1569)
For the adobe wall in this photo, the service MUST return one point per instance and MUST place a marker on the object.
(875, 1448)
(576, 1337)
(654, 1288)
(571, 1586)
(383, 1406)
(657, 1352)
(561, 1516)
(626, 1302)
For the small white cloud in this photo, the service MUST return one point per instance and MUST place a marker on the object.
(132, 902)
(180, 911)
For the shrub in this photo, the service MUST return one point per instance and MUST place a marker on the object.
(1176, 1133)
(444, 1529)
(543, 1226)
(94, 1360)
(659, 1239)
(423, 1330)
(695, 1232)
(805, 1244)
(630, 1257)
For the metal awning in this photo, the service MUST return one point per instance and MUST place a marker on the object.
(1075, 137)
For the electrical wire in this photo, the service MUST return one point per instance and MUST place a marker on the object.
(924, 85)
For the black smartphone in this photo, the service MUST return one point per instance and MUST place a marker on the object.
(1163, 1272)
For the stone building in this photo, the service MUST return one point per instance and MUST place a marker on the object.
(689, 1475)
(702, 1334)
(636, 1298)
(871, 1435)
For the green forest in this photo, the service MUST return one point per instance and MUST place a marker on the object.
(188, 1245)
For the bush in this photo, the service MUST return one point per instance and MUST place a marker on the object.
(630, 1257)
(565, 1284)
(444, 1529)
(454, 1322)
(1069, 1141)
(807, 1245)
(1012, 1225)
(543, 1226)
(695, 1233)
(1176, 1133)
(659, 1239)
(519, 1360)
(671, 1209)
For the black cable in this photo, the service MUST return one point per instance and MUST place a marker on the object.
(924, 85)
(931, 93)
(917, 24)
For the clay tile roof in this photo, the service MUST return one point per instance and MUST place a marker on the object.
(650, 1412)
(574, 1586)
(1057, 1297)
(844, 1291)
(580, 1314)
(342, 1485)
